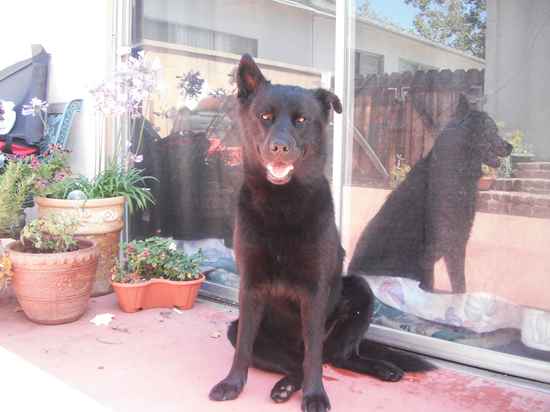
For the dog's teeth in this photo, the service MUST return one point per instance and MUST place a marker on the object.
(279, 171)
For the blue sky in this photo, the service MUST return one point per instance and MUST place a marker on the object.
(395, 10)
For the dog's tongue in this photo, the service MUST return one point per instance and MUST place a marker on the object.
(279, 170)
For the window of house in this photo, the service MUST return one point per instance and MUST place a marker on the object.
(412, 66)
(368, 63)
(203, 38)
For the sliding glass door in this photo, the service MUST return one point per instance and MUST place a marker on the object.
(446, 185)
(440, 164)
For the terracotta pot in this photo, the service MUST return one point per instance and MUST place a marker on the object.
(101, 221)
(53, 288)
(485, 183)
(157, 293)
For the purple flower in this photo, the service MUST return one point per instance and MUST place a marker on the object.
(191, 84)
(135, 158)
(34, 108)
(133, 83)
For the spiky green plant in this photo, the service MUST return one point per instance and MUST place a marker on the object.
(113, 181)
(16, 184)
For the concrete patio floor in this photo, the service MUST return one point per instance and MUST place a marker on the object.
(167, 360)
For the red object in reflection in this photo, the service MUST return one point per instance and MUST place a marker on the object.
(20, 150)
(215, 146)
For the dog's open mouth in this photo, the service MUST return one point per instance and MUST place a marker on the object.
(279, 173)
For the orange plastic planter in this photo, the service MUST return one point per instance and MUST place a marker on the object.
(157, 293)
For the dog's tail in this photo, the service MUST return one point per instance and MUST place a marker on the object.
(406, 361)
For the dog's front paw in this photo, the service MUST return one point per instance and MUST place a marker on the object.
(226, 390)
(388, 372)
(316, 402)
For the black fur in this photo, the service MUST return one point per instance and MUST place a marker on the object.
(430, 215)
(296, 309)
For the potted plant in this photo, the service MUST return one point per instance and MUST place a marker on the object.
(16, 183)
(98, 204)
(155, 274)
(52, 271)
(19, 178)
(522, 152)
(488, 177)
(399, 172)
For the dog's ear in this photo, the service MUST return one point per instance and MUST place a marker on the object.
(328, 101)
(249, 77)
(463, 107)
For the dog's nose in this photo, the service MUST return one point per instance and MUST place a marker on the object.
(279, 147)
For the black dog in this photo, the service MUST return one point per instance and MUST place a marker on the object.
(296, 309)
(430, 215)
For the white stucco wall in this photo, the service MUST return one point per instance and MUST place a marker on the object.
(77, 35)
(292, 35)
(518, 68)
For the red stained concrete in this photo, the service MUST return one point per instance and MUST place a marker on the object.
(161, 360)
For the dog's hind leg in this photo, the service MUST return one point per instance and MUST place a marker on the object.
(454, 260)
(380, 369)
(347, 332)
(427, 263)
(271, 357)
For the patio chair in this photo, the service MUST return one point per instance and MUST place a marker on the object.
(60, 124)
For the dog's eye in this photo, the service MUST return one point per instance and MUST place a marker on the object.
(267, 116)
(300, 120)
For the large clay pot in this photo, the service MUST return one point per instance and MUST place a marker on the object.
(101, 221)
(157, 293)
(53, 288)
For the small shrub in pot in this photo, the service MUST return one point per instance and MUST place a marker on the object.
(154, 273)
